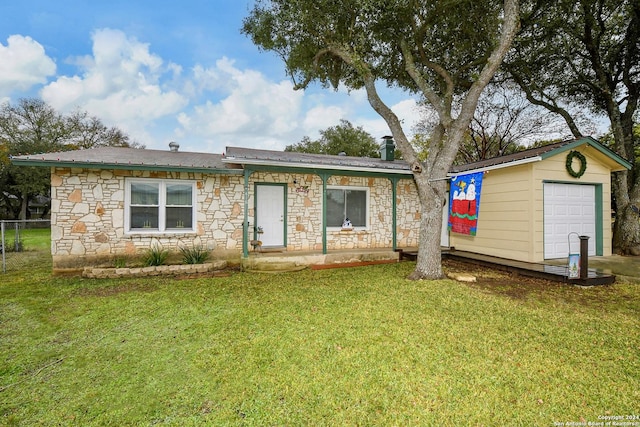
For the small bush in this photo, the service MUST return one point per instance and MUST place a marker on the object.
(120, 262)
(155, 256)
(194, 255)
(17, 245)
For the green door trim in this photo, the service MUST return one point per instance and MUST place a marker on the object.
(599, 205)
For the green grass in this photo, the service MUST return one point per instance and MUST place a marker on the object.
(357, 346)
(36, 239)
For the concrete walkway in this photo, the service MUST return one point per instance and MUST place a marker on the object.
(624, 267)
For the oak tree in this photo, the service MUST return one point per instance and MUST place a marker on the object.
(586, 53)
(445, 51)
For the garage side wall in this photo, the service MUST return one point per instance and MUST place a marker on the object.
(504, 217)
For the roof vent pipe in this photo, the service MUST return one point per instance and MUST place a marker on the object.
(174, 146)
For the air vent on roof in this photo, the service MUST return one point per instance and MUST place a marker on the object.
(174, 146)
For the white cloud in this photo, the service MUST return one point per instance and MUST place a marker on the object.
(126, 85)
(322, 117)
(253, 111)
(23, 64)
(120, 83)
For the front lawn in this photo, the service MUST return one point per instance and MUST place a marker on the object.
(358, 346)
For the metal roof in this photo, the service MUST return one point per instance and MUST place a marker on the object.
(236, 158)
(127, 158)
(249, 156)
(538, 154)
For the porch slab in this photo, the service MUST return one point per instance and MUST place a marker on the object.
(293, 261)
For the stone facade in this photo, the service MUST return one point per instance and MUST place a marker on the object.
(87, 216)
(88, 224)
(304, 212)
(408, 214)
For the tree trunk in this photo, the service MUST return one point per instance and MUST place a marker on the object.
(429, 265)
(626, 184)
(626, 233)
(24, 204)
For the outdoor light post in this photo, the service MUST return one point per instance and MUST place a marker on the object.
(584, 257)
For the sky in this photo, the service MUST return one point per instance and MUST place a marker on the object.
(171, 71)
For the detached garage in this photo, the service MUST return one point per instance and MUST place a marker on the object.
(535, 203)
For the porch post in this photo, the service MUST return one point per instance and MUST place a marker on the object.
(324, 177)
(245, 223)
(394, 212)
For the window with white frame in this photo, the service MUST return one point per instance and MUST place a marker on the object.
(347, 202)
(159, 205)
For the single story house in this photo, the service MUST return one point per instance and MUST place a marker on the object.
(111, 202)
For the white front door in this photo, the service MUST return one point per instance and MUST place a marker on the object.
(270, 214)
(568, 208)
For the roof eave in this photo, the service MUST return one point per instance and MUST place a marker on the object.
(498, 166)
(123, 166)
(313, 166)
(595, 144)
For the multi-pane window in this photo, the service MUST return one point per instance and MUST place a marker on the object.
(343, 203)
(160, 205)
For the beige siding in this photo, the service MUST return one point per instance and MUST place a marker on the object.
(553, 169)
(503, 219)
(511, 216)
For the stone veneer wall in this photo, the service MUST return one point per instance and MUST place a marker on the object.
(304, 212)
(379, 234)
(408, 213)
(87, 215)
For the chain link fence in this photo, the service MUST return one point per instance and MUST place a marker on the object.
(24, 243)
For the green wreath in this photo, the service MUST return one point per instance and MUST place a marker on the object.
(583, 163)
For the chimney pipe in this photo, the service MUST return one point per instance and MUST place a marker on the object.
(387, 149)
(174, 146)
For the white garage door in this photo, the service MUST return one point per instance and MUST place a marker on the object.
(568, 208)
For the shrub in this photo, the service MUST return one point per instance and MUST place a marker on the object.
(120, 262)
(155, 256)
(194, 255)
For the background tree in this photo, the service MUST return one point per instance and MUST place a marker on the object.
(609, 141)
(87, 131)
(444, 50)
(342, 138)
(504, 123)
(587, 53)
(31, 126)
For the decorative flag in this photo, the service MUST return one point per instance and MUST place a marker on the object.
(464, 203)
